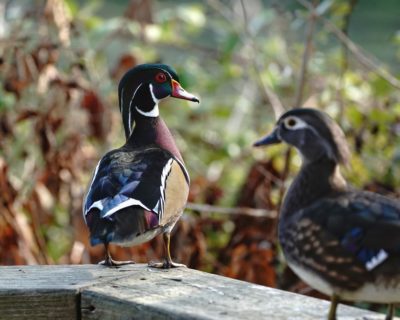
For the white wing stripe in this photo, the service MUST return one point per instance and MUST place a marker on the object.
(376, 260)
(164, 175)
(183, 168)
(122, 205)
(159, 207)
(90, 188)
(97, 204)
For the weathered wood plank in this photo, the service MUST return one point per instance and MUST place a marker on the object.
(55, 276)
(39, 304)
(138, 292)
(189, 294)
(47, 292)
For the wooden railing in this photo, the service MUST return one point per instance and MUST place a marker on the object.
(139, 292)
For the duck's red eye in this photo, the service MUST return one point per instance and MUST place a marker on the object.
(160, 77)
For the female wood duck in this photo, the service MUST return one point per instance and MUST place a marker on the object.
(343, 242)
(140, 190)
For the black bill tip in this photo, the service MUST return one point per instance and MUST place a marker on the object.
(272, 138)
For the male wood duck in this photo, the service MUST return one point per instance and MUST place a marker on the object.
(140, 190)
(343, 242)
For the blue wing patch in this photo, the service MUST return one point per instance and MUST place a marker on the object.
(371, 258)
(129, 178)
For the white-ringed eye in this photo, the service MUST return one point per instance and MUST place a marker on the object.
(294, 123)
(290, 122)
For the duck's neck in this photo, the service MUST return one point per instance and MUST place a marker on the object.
(152, 131)
(315, 180)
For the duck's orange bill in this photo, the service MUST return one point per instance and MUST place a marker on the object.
(180, 93)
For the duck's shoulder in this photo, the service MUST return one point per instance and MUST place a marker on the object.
(352, 206)
(127, 155)
(151, 158)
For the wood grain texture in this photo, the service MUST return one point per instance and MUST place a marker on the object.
(39, 304)
(47, 292)
(139, 292)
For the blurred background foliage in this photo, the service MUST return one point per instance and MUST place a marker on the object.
(60, 63)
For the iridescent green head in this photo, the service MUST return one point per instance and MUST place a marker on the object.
(142, 87)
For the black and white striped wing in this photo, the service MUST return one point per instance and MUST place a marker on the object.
(125, 178)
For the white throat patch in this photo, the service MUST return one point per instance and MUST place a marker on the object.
(152, 94)
(153, 112)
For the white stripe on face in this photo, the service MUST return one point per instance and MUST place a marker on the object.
(153, 112)
(130, 109)
(156, 101)
(122, 99)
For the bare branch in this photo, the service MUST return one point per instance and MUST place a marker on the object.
(344, 61)
(306, 56)
(354, 49)
(269, 95)
(247, 38)
(232, 211)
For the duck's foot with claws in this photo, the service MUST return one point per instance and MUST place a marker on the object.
(166, 265)
(109, 262)
(112, 263)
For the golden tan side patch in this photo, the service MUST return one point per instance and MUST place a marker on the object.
(176, 194)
